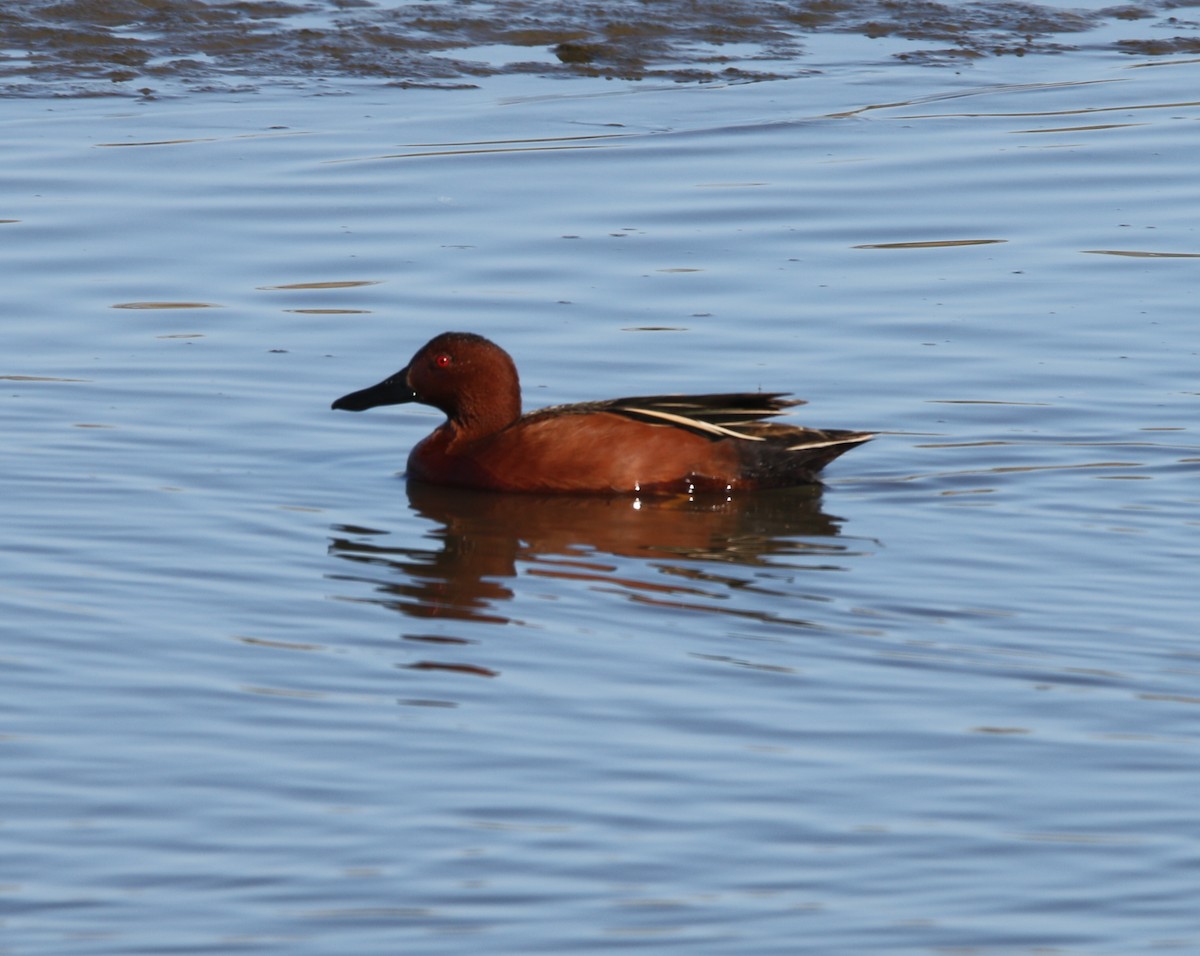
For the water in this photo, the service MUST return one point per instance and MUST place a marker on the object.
(261, 696)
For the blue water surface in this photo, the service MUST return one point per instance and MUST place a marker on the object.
(264, 696)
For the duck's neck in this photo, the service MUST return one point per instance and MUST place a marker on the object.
(479, 415)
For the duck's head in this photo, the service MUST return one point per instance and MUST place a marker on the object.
(468, 377)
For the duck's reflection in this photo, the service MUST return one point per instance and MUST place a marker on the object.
(482, 539)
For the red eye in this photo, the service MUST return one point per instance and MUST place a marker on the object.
(442, 360)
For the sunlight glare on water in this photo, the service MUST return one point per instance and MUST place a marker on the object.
(265, 696)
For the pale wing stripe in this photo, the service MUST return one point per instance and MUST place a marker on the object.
(829, 444)
(690, 423)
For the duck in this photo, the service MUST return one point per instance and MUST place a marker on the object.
(721, 442)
